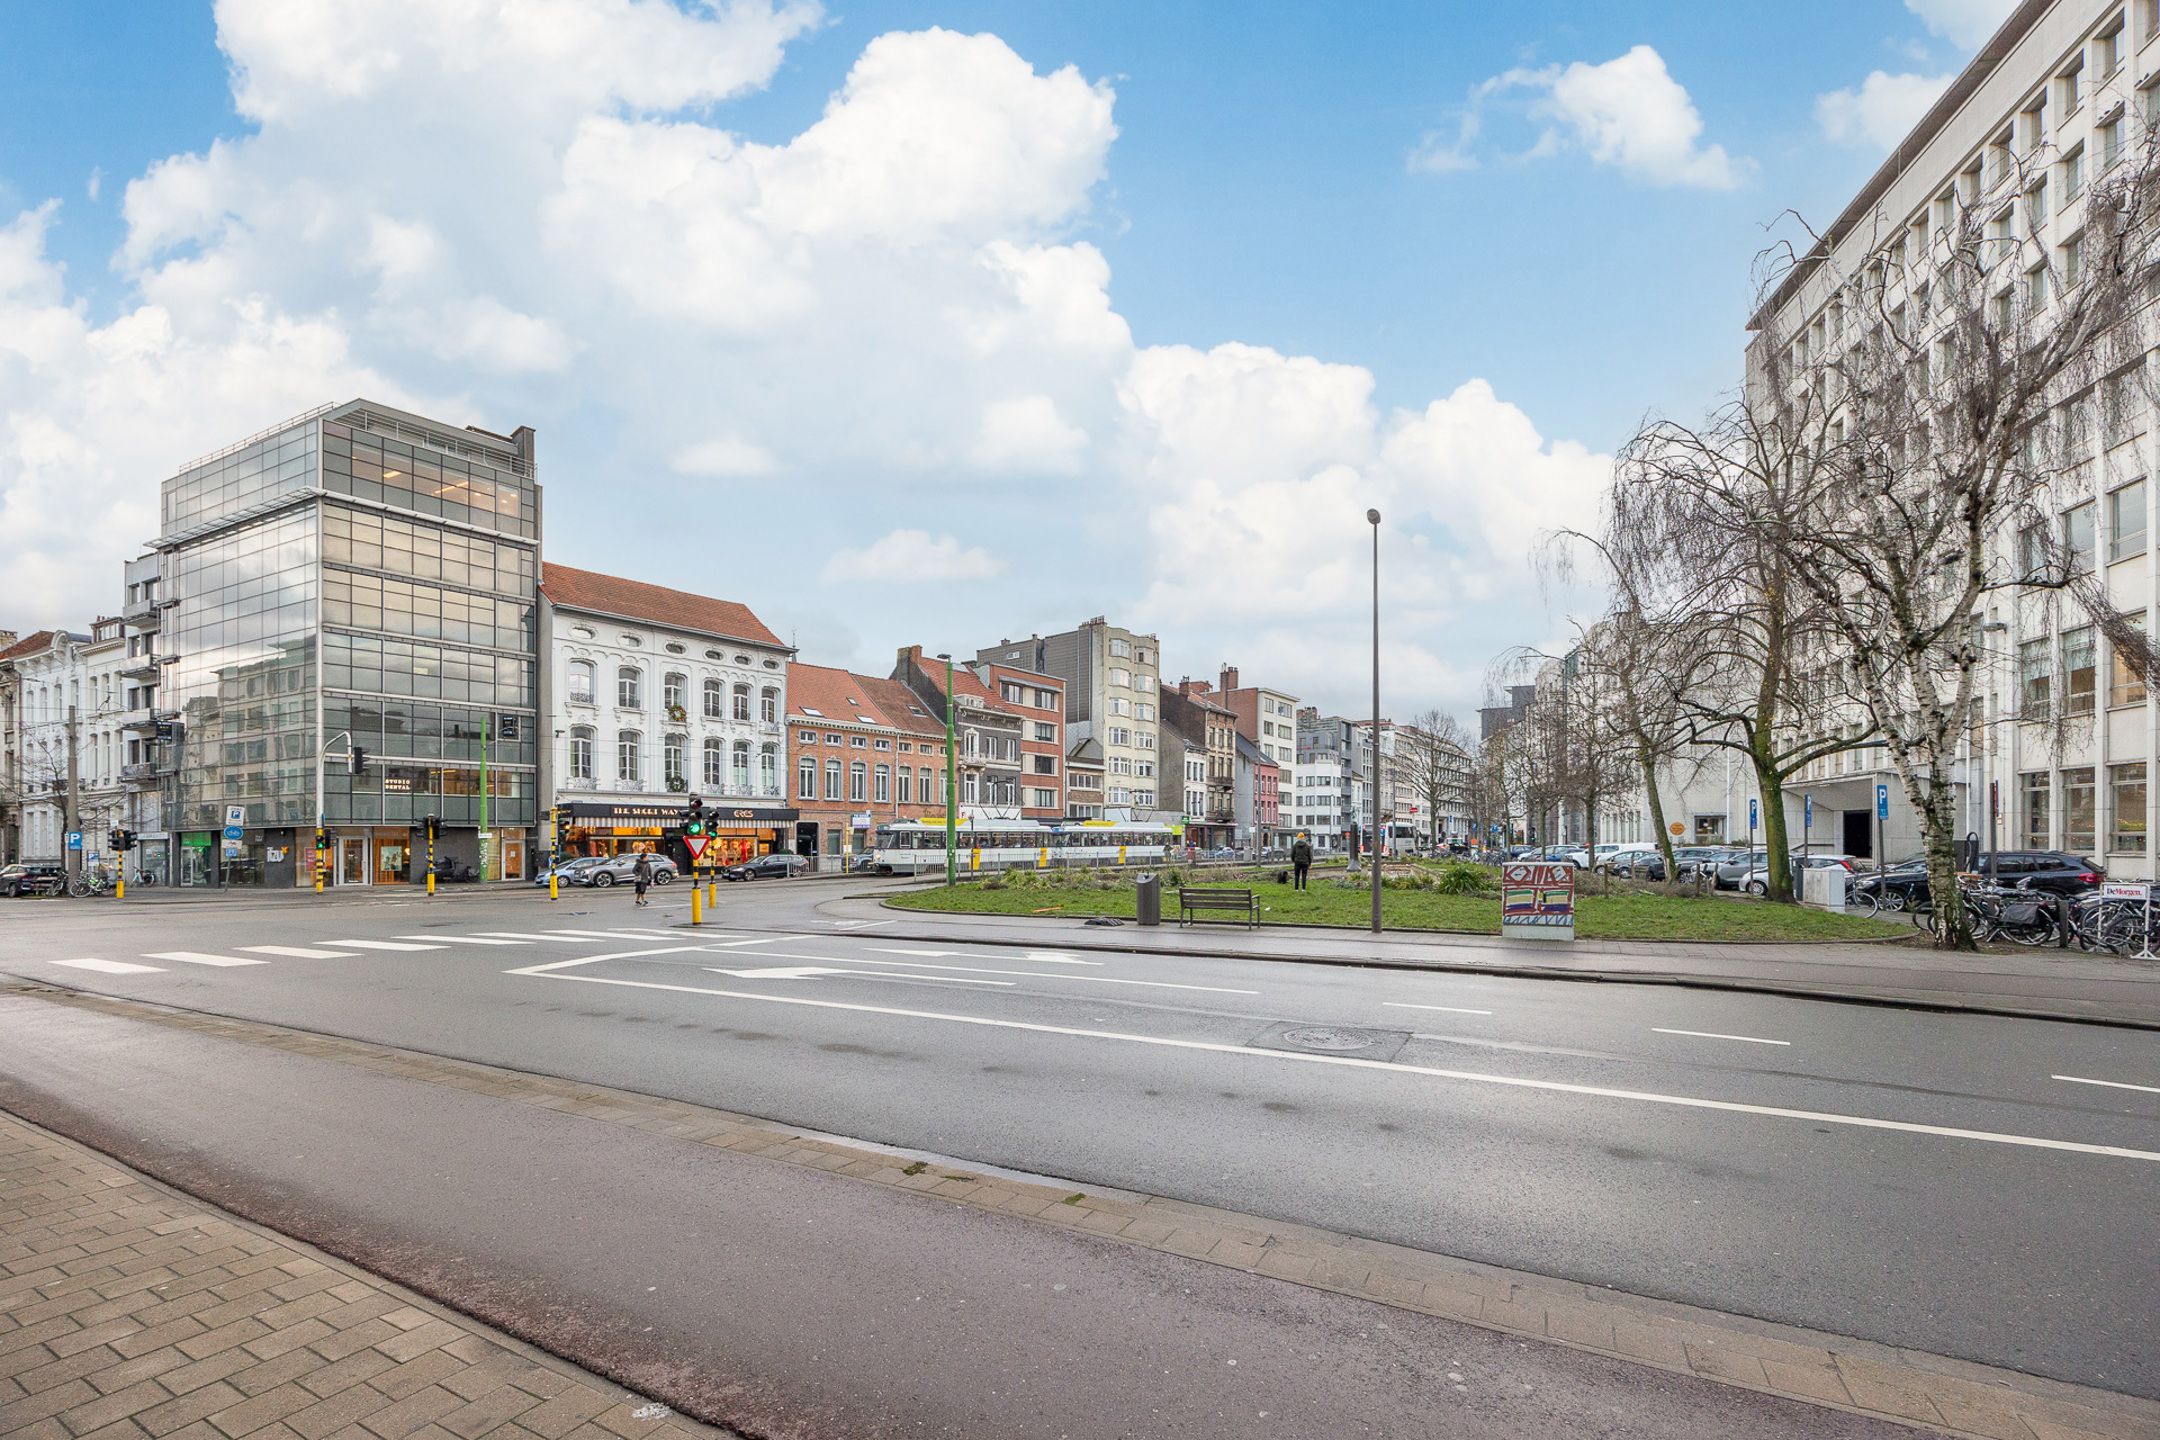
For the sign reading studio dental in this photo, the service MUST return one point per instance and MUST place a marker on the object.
(1537, 900)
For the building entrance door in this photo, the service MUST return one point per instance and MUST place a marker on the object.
(352, 866)
(513, 857)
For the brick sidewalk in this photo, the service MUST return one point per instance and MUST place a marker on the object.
(127, 1311)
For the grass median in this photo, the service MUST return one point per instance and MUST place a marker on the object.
(1405, 904)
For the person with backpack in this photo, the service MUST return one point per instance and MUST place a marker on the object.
(641, 874)
(1301, 860)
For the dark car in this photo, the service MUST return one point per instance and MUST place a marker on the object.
(35, 877)
(776, 866)
(1905, 884)
(622, 870)
(1691, 858)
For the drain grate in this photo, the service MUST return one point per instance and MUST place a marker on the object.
(1332, 1040)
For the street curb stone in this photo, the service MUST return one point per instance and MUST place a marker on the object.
(1935, 1393)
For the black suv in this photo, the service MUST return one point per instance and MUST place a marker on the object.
(2059, 872)
(777, 866)
(34, 877)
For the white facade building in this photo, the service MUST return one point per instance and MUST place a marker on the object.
(70, 696)
(653, 695)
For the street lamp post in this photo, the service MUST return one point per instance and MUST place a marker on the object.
(1372, 806)
(952, 783)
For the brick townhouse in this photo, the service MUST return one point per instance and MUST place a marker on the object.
(1038, 701)
(862, 752)
(988, 736)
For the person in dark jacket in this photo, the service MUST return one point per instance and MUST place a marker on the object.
(641, 874)
(1301, 860)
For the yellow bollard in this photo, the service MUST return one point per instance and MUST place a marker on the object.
(120, 889)
(554, 886)
(431, 882)
(697, 905)
(712, 891)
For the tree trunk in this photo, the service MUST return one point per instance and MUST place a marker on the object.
(1953, 926)
(1770, 788)
(1648, 761)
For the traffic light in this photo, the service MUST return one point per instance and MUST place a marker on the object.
(322, 838)
(434, 828)
(359, 760)
(694, 817)
(112, 839)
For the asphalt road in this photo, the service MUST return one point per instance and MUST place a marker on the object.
(1919, 1179)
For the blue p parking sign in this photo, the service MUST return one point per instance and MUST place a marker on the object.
(1882, 802)
(1751, 815)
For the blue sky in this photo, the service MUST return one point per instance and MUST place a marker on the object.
(1227, 300)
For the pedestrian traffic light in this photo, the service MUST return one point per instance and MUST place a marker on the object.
(359, 761)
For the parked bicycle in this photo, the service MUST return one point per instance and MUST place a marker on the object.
(2014, 913)
(2116, 926)
(90, 881)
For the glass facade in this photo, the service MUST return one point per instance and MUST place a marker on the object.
(381, 571)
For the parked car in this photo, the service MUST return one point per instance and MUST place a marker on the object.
(1639, 862)
(1757, 880)
(1574, 855)
(1905, 884)
(33, 877)
(776, 866)
(1737, 866)
(621, 870)
(567, 871)
(1220, 852)
(1691, 858)
(1599, 854)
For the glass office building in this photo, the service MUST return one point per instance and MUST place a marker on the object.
(358, 577)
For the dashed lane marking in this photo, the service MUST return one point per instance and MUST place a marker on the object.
(1450, 1009)
(1303, 1057)
(2110, 1084)
(112, 967)
(808, 972)
(297, 952)
(197, 957)
(1024, 974)
(386, 944)
(1713, 1035)
(466, 939)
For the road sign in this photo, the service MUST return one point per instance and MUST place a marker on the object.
(696, 844)
(1807, 807)
(236, 814)
(1882, 802)
(234, 832)
(74, 839)
(1751, 814)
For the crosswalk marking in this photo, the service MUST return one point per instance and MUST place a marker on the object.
(465, 939)
(197, 957)
(112, 967)
(297, 952)
(383, 945)
(528, 935)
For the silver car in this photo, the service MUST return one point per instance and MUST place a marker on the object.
(621, 870)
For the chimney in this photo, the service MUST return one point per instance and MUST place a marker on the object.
(1229, 678)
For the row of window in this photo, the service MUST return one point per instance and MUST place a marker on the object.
(1032, 696)
(1124, 650)
(864, 742)
(2080, 670)
(720, 703)
(2126, 818)
(1137, 709)
(726, 768)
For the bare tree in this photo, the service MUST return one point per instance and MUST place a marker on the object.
(1432, 760)
(1569, 755)
(1939, 394)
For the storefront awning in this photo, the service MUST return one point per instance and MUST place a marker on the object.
(599, 813)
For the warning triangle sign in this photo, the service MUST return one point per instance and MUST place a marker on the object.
(696, 844)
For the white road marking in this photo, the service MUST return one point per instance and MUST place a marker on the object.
(760, 940)
(1301, 1057)
(1451, 1009)
(1713, 1035)
(297, 952)
(466, 939)
(861, 924)
(2111, 1084)
(805, 972)
(197, 957)
(112, 967)
(528, 935)
(1025, 974)
(926, 954)
(386, 944)
(1059, 957)
(552, 965)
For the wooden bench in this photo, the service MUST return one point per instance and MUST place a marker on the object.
(1239, 904)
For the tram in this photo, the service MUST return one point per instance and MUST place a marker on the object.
(915, 847)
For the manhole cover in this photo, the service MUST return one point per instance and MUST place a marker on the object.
(1332, 1040)
(1312, 1039)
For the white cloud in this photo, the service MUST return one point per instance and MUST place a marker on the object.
(894, 314)
(912, 557)
(95, 183)
(1962, 22)
(1881, 112)
(1627, 112)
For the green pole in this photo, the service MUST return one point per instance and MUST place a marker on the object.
(952, 785)
(487, 723)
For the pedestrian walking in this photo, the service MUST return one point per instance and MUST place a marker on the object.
(1301, 860)
(641, 874)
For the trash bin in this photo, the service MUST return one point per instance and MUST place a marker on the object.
(1147, 899)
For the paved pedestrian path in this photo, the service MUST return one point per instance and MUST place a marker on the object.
(128, 1311)
(2049, 983)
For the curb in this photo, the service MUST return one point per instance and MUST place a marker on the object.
(1912, 1388)
(1728, 984)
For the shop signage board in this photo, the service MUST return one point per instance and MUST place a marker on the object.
(1537, 900)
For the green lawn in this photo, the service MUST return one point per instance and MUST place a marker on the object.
(1634, 915)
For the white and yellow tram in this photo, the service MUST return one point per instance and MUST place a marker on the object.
(915, 847)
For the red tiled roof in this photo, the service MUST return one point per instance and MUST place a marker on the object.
(834, 694)
(901, 705)
(29, 645)
(572, 589)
